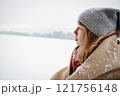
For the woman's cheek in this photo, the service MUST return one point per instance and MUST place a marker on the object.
(81, 38)
(79, 41)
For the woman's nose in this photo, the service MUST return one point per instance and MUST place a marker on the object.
(75, 32)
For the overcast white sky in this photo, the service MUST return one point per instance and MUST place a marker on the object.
(44, 15)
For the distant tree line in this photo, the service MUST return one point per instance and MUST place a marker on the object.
(55, 34)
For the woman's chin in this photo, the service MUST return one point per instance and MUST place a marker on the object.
(78, 44)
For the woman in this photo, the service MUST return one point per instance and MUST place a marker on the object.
(97, 55)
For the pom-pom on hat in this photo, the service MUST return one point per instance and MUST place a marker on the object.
(101, 21)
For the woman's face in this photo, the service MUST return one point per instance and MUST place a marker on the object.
(80, 34)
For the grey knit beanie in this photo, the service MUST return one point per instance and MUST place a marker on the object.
(101, 21)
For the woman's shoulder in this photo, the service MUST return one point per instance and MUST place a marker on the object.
(61, 74)
(106, 58)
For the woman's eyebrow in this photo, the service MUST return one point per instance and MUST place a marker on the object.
(80, 26)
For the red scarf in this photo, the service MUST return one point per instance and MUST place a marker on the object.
(75, 60)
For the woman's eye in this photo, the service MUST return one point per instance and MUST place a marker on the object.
(80, 28)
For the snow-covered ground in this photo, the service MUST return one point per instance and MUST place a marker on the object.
(32, 58)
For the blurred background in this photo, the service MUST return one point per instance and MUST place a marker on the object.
(36, 36)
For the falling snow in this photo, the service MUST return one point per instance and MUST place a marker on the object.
(108, 51)
(107, 67)
(88, 76)
(109, 76)
(114, 56)
(81, 70)
(87, 66)
(114, 49)
(85, 17)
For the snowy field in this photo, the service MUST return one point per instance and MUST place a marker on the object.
(32, 58)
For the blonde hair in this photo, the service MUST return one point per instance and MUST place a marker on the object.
(91, 42)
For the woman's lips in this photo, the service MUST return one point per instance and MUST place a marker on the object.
(76, 39)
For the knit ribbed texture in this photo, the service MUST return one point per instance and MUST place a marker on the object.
(101, 21)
